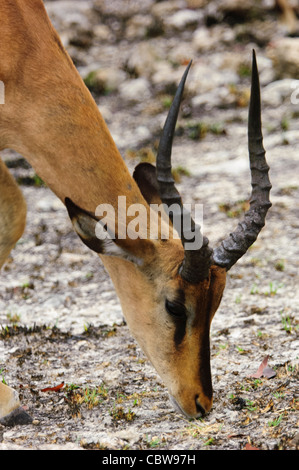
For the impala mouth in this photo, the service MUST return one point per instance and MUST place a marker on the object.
(177, 407)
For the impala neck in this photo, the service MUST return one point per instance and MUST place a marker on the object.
(50, 117)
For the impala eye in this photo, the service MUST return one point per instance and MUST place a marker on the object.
(175, 309)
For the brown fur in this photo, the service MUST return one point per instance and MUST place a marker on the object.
(12, 213)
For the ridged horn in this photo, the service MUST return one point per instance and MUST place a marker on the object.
(196, 263)
(236, 245)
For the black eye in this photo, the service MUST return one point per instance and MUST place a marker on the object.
(175, 309)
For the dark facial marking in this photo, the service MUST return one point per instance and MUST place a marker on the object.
(180, 331)
(204, 352)
(205, 367)
(180, 319)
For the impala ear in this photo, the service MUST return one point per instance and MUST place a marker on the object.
(93, 234)
(146, 179)
(85, 226)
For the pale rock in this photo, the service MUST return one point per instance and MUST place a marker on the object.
(167, 8)
(54, 302)
(232, 415)
(142, 133)
(207, 39)
(181, 53)
(112, 378)
(120, 8)
(136, 90)
(201, 79)
(204, 79)
(183, 19)
(219, 97)
(165, 76)
(72, 258)
(131, 435)
(102, 32)
(109, 78)
(284, 54)
(48, 204)
(204, 39)
(143, 61)
(69, 13)
(138, 26)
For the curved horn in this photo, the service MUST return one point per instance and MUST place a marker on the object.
(196, 263)
(236, 245)
(168, 192)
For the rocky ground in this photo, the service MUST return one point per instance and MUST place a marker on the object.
(61, 320)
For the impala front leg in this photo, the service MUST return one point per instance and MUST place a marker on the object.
(12, 213)
(12, 223)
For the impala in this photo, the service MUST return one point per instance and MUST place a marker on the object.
(168, 293)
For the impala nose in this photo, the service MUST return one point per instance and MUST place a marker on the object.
(200, 409)
(191, 411)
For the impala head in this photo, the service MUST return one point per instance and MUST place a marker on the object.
(169, 292)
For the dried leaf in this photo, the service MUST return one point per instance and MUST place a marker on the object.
(250, 447)
(259, 372)
(264, 370)
(53, 389)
